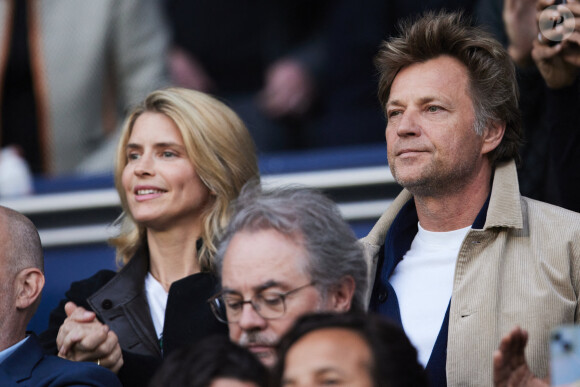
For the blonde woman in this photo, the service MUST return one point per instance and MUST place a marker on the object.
(182, 157)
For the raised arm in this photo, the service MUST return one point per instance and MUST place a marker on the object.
(510, 368)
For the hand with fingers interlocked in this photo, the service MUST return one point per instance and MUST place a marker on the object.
(82, 337)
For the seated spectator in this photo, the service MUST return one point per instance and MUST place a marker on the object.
(213, 362)
(286, 252)
(183, 156)
(461, 255)
(348, 349)
(22, 360)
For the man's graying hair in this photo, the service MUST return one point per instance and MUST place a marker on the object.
(310, 218)
(492, 80)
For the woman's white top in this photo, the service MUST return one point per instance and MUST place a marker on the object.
(157, 299)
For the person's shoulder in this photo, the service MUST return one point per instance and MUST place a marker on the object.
(55, 371)
(32, 366)
(376, 236)
(546, 220)
(551, 213)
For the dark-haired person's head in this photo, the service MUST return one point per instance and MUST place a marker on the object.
(351, 349)
(214, 362)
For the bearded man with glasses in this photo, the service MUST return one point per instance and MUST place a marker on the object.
(286, 252)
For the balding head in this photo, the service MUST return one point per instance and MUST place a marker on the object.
(21, 275)
(21, 247)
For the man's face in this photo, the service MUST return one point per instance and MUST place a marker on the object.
(267, 261)
(431, 144)
(329, 356)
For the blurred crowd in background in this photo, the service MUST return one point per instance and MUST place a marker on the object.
(300, 73)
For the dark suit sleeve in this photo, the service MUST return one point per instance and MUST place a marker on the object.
(83, 374)
(78, 293)
(28, 365)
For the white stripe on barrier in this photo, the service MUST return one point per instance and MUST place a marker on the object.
(102, 198)
(101, 232)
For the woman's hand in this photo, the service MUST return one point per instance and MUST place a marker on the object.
(82, 337)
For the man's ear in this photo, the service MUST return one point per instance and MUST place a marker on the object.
(340, 297)
(492, 136)
(29, 284)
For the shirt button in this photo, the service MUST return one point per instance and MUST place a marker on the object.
(107, 304)
(383, 296)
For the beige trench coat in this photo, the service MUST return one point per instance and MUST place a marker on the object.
(522, 269)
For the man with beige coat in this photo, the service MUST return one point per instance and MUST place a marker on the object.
(460, 257)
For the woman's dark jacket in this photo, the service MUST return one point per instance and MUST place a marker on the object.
(120, 301)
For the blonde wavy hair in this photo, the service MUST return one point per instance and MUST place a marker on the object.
(219, 146)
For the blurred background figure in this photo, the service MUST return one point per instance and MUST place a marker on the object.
(349, 112)
(15, 175)
(213, 362)
(262, 57)
(68, 70)
(300, 73)
(354, 350)
(549, 97)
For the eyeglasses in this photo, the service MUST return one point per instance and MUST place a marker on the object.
(228, 306)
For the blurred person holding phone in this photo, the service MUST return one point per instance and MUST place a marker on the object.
(542, 40)
(559, 65)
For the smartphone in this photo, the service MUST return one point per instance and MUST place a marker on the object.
(565, 355)
(552, 43)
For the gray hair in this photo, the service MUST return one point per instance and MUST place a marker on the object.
(332, 248)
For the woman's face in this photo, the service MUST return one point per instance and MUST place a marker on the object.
(330, 356)
(162, 187)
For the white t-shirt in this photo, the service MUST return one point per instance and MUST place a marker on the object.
(423, 281)
(157, 299)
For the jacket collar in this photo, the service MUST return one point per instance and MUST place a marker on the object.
(19, 365)
(505, 209)
(504, 205)
(128, 283)
(125, 294)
